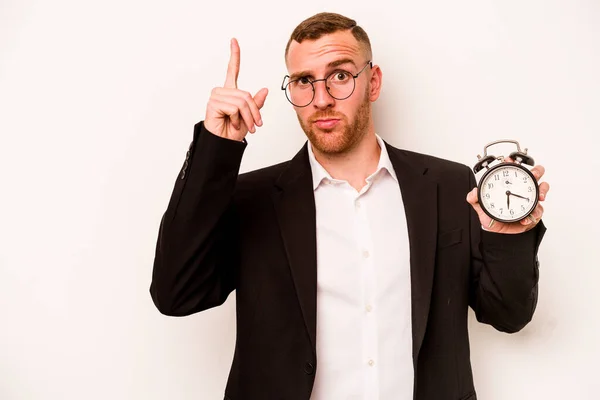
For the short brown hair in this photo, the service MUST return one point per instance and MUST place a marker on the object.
(325, 23)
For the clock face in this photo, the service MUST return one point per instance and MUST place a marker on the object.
(508, 192)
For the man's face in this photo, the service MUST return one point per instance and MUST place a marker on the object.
(333, 126)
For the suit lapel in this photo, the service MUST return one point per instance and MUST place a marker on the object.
(419, 195)
(294, 203)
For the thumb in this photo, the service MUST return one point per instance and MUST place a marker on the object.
(260, 97)
(472, 196)
(472, 200)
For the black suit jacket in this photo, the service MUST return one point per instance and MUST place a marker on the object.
(255, 233)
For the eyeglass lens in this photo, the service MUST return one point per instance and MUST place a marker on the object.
(340, 85)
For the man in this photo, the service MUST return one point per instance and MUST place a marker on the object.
(354, 263)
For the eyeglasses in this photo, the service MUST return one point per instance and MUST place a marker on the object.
(340, 85)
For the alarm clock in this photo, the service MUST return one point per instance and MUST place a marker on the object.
(507, 191)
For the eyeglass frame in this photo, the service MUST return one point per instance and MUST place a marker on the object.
(312, 83)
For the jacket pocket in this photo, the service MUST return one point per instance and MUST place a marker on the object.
(449, 238)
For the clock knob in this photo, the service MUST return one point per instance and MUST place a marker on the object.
(483, 163)
(522, 157)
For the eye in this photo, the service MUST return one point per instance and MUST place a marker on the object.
(301, 83)
(340, 76)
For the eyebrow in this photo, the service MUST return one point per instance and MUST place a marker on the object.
(332, 64)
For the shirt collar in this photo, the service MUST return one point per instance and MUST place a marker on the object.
(319, 173)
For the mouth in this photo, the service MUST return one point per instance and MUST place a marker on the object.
(327, 123)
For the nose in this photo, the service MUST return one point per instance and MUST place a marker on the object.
(323, 99)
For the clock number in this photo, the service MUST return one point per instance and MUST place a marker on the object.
(505, 173)
(501, 210)
(516, 174)
(492, 205)
(487, 195)
(525, 180)
(512, 212)
(496, 177)
(529, 189)
(522, 207)
(490, 185)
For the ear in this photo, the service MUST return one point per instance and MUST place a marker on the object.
(376, 81)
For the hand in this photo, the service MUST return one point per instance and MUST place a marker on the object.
(231, 112)
(513, 227)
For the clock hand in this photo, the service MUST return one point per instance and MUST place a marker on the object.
(521, 197)
(508, 199)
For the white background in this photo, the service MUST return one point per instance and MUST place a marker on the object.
(97, 106)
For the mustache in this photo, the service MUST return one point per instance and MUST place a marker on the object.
(326, 115)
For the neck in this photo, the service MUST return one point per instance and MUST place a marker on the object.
(355, 165)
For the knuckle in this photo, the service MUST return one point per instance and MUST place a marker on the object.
(244, 106)
(239, 103)
(232, 109)
(246, 112)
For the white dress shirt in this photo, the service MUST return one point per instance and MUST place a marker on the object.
(364, 332)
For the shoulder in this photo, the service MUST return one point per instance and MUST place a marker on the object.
(436, 168)
(259, 181)
(265, 175)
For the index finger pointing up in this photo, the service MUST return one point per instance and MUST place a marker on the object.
(233, 69)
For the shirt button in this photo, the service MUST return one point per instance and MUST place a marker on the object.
(357, 204)
(369, 308)
(371, 363)
(365, 254)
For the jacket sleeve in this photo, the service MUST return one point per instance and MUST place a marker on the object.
(196, 251)
(504, 274)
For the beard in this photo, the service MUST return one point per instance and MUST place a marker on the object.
(341, 139)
